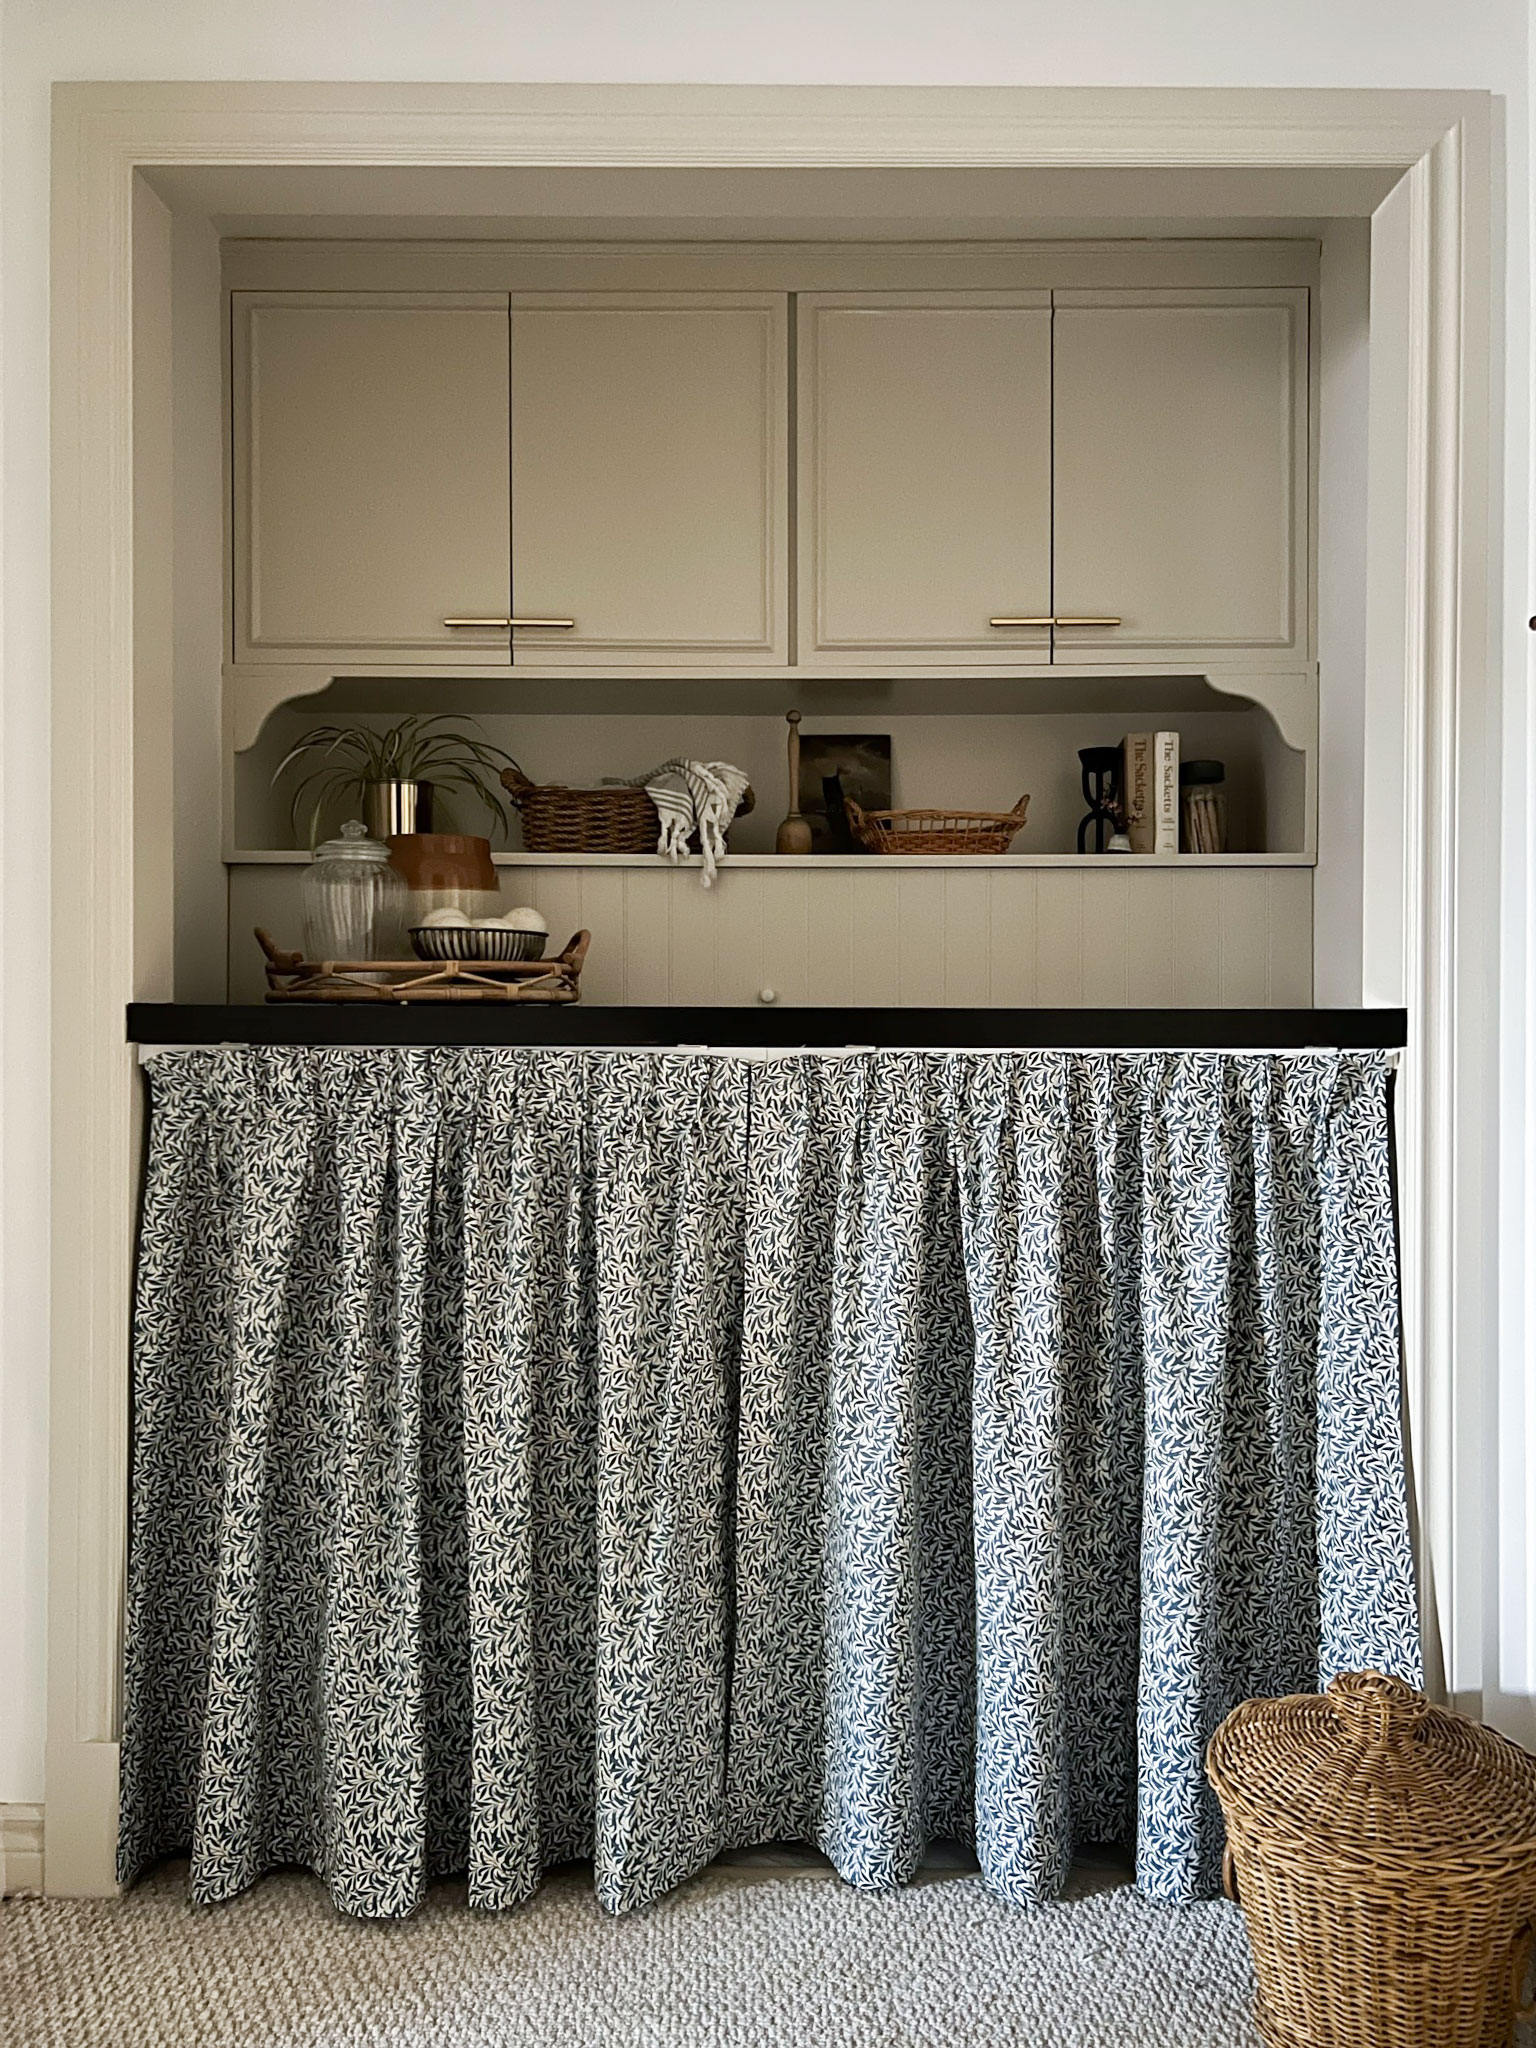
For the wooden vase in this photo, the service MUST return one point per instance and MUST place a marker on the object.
(794, 835)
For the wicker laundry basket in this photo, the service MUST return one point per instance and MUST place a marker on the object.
(1384, 1855)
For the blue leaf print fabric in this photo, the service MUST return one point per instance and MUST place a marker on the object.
(630, 1456)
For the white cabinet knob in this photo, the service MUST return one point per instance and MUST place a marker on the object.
(767, 995)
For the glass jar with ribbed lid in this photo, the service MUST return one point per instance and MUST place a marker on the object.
(353, 900)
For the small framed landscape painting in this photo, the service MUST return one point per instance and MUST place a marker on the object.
(834, 765)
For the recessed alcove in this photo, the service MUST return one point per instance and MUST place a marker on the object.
(1384, 750)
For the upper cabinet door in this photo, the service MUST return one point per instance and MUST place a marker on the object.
(925, 476)
(1181, 473)
(371, 477)
(649, 478)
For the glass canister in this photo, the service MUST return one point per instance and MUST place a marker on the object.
(354, 901)
(1203, 806)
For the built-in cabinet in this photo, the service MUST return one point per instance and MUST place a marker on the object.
(1089, 477)
(370, 474)
(1179, 476)
(878, 485)
(650, 477)
(1077, 477)
(422, 478)
(925, 474)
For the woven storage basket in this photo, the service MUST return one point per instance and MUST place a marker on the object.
(618, 819)
(560, 820)
(1384, 1855)
(935, 831)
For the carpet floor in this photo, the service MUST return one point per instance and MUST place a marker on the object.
(763, 1955)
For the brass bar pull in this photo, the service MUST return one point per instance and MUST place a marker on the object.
(1053, 619)
(566, 624)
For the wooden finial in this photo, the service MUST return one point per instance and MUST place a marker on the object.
(794, 835)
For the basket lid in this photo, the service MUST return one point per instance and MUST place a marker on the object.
(1371, 1766)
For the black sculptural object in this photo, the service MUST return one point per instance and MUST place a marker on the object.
(1101, 790)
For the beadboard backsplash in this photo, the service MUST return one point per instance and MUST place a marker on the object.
(1083, 936)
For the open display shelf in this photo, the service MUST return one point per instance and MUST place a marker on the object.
(968, 741)
(1038, 924)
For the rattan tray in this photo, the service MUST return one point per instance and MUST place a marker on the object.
(293, 979)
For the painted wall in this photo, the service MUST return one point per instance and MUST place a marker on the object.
(1393, 43)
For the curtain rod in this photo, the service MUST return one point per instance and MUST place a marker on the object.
(794, 1028)
(761, 1054)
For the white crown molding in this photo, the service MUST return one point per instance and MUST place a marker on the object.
(21, 1850)
(1434, 689)
(770, 126)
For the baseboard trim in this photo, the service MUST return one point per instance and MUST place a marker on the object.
(21, 1850)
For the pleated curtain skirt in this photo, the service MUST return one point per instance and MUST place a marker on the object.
(542, 1455)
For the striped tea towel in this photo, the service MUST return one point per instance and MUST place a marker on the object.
(695, 796)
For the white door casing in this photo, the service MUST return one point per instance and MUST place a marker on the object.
(1431, 908)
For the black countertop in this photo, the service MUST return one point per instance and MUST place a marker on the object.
(576, 1024)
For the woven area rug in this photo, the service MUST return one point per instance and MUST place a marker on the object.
(765, 1955)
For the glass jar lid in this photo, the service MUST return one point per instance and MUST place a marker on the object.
(353, 844)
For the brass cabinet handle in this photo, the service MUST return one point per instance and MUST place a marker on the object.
(566, 624)
(1054, 619)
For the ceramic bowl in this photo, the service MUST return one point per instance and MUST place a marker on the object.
(476, 942)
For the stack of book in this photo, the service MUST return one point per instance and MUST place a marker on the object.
(1151, 786)
(1204, 820)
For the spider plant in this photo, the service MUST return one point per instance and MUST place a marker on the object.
(433, 749)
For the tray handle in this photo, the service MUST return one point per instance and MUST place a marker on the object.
(285, 963)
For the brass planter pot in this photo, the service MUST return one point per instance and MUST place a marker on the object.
(391, 809)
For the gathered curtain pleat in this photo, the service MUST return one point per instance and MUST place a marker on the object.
(630, 1456)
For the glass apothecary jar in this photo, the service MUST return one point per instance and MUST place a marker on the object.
(353, 900)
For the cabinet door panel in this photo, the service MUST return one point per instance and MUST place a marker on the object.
(1181, 474)
(648, 477)
(371, 476)
(925, 477)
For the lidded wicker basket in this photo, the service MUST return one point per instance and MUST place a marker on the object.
(1384, 1855)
